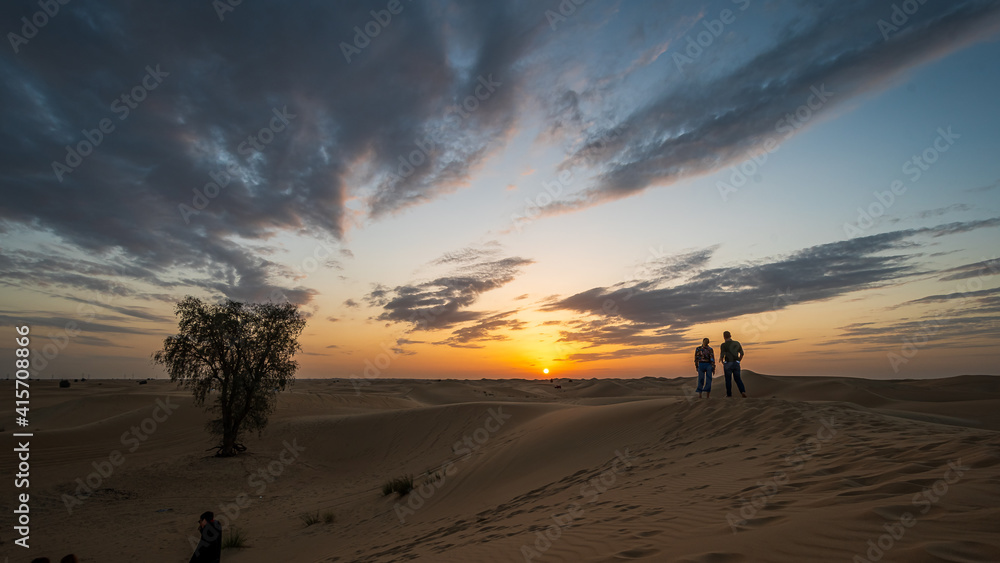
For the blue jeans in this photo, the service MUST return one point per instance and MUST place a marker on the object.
(732, 371)
(705, 370)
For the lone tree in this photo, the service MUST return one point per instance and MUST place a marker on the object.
(243, 350)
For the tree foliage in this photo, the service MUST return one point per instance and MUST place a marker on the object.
(243, 351)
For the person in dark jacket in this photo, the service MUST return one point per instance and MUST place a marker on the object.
(731, 353)
(209, 549)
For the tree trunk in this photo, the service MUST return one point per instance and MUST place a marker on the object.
(230, 426)
(228, 442)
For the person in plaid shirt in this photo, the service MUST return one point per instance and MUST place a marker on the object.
(704, 362)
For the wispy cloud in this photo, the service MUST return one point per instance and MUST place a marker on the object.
(700, 126)
(658, 310)
(984, 268)
(986, 188)
(444, 301)
(484, 330)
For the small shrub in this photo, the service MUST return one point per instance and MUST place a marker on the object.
(63, 383)
(236, 540)
(401, 485)
(310, 518)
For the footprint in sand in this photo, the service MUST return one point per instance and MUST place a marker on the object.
(637, 553)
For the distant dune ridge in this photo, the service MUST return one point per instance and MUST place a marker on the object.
(806, 469)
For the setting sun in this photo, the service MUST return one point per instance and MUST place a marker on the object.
(545, 371)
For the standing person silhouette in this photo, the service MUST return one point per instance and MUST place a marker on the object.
(704, 362)
(730, 353)
(209, 549)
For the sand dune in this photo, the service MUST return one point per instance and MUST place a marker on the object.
(807, 469)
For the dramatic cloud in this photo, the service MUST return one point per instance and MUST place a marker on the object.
(443, 302)
(171, 141)
(172, 134)
(815, 273)
(727, 113)
(657, 311)
(633, 339)
(484, 330)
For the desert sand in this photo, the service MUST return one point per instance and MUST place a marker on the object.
(806, 469)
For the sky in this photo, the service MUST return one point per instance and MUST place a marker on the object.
(477, 189)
